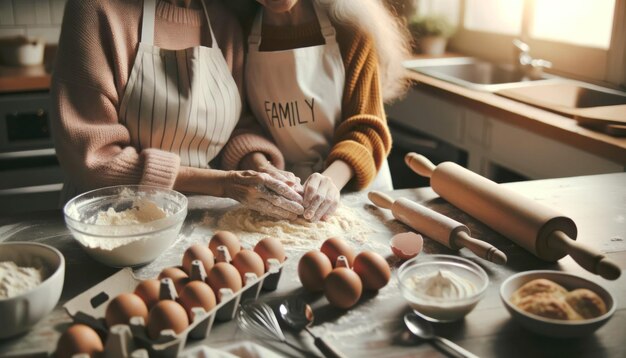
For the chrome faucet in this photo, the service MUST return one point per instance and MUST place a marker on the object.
(533, 67)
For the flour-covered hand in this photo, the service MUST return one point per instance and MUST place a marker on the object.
(264, 193)
(321, 197)
(284, 176)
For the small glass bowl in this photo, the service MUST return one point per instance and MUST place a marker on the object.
(129, 244)
(440, 309)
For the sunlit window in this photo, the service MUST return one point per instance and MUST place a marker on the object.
(500, 16)
(581, 22)
(450, 9)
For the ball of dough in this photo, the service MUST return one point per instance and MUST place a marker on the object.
(586, 303)
(548, 306)
(538, 286)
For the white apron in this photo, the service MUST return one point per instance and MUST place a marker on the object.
(181, 101)
(296, 95)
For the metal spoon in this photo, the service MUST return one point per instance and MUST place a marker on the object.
(298, 315)
(423, 329)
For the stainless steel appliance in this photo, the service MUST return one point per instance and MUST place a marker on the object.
(407, 139)
(30, 176)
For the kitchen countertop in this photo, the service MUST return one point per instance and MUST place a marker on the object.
(29, 78)
(374, 327)
(539, 121)
(24, 79)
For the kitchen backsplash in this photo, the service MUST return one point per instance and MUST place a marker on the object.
(32, 18)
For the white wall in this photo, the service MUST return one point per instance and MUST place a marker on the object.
(32, 18)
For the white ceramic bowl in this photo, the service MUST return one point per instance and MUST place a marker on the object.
(19, 313)
(442, 309)
(22, 51)
(554, 327)
(121, 245)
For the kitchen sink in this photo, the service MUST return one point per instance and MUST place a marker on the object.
(595, 107)
(568, 94)
(474, 73)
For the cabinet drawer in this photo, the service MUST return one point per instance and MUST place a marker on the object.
(429, 114)
(539, 157)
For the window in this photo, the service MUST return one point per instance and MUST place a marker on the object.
(584, 39)
(450, 9)
(494, 16)
(580, 22)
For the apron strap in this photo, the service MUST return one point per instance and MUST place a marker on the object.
(254, 39)
(328, 30)
(208, 20)
(147, 22)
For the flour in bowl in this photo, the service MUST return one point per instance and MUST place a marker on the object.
(142, 211)
(15, 280)
(250, 225)
(110, 229)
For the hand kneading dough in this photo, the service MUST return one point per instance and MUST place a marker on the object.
(548, 306)
(587, 303)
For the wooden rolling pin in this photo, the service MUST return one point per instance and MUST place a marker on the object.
(437, 226)
(537, 228)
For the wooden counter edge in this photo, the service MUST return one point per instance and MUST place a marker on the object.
(539, 121)
(23, 84)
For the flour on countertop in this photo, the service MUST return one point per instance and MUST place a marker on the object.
(295, 235)
(15, 280)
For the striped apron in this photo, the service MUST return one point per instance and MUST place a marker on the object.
(181, 101)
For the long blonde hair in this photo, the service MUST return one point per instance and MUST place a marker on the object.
(389, 34)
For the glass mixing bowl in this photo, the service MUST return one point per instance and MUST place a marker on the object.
(126, 225)
(435, 298)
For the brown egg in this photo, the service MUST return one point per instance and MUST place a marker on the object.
(270, 248)
(373, 270)
(343, 288)
(123, 307)
(313, 268)
(225, 238)
(335, 247)
(224, 275)
(198, 252)
(148, 291)
(248, 261)
(167, 314)
(197, 294)
(78, 339)
(178, 276)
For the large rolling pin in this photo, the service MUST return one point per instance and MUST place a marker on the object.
(437, 226)
(534, 226)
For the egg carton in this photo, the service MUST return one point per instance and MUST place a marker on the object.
(132, 340)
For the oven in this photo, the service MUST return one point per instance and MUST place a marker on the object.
(407, 139)
(30, 176)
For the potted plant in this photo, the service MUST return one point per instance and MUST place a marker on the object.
(431, 33)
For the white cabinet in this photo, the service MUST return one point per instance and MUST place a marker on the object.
(492, 144)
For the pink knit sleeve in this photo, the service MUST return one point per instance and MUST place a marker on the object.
(246, 139)
(92, 146)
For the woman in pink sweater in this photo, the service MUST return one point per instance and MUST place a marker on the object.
(148, 92)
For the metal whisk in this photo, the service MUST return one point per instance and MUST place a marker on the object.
(258, 319)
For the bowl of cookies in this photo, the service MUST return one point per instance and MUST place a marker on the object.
(557, 304)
